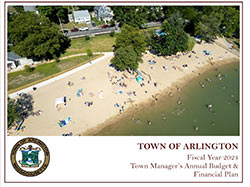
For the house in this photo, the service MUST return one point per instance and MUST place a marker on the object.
(103, 13)
(70, 17)
(81, 16)
(15, 61)
(30, 9)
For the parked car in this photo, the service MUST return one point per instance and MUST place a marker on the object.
(83, 29)
(105, 26)
(64, 31)
(93, 24)
(74, 30)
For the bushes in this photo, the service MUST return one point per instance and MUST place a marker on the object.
(28, 68)
(112, 34)
(87, 38)
(89, 53)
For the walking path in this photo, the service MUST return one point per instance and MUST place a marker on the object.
(44, 83)
(226, 45)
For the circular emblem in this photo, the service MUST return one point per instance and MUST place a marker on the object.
(30, 157)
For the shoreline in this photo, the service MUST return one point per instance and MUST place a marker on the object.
(173, 88)
(111, 92)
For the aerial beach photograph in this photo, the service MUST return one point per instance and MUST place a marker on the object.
(138, 70)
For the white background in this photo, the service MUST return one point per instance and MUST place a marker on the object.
(108, 158)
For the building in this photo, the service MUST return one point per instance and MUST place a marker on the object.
(30, 9)
(103, 13)
(70, 18)
(15, 61)
(81, 16)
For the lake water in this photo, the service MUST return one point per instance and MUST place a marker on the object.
(192, 116)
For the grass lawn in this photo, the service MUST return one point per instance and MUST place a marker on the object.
(79, 25)
(102, 43)
(68, 26)
(22, 79)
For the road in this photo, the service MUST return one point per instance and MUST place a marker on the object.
(95, 32)
(90, 32)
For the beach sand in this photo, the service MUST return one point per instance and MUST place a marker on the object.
(98, 88)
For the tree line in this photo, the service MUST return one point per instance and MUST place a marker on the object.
(178, 24)
(37, 36)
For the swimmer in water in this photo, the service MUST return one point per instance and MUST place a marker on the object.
(213, 123)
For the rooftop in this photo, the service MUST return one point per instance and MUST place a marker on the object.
(13, 56)
(29, 8)
(81, 13)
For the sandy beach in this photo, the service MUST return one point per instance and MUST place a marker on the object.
(108, 94)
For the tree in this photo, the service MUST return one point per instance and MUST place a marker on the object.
(154, 13)
(55, 14)
(34, 36)
(134, 16)
(189, 14)
(12, 114)
(19, 108)
(89, 53)
(129, 46)
(133, 37)
(24, 105)
(19, 9)
(208, 27)
(173, 40)
(125, 58)
(230, 22)
(89, 8)
(176, 20)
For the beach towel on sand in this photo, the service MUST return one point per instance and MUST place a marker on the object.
(62, 123)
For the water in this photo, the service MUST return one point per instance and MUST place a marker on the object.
(193, 116)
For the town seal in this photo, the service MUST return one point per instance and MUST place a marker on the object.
(30, 157)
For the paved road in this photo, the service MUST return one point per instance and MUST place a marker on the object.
(103, 31)
(90, 32)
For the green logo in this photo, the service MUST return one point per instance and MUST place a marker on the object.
(30, 157)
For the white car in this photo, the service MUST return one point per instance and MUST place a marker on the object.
(83, 29)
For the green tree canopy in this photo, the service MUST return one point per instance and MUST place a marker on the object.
(34, 36)
(230, 24)
(89, 53)
(207, 20)
(208, 27)
(54, 13)
(19, 9)
(12, 112)
(125, 58)
(174, 40)
(133, 37)
(89, 8)
(153, 13)
(19, 108)
(132, 41)
(131, 15)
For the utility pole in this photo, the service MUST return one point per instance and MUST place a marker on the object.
(60, 24)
